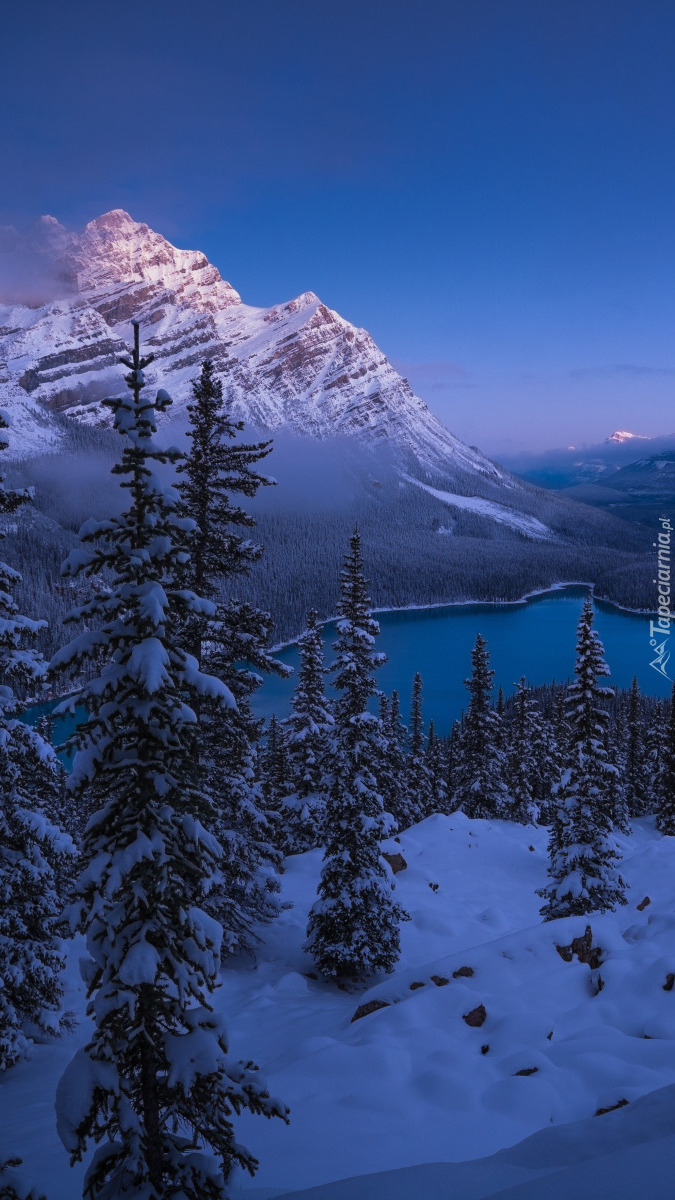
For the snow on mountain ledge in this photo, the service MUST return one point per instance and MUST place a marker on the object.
(523, 522)
(297, 365)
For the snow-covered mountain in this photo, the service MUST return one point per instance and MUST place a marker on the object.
(624, 435)
(298, 365)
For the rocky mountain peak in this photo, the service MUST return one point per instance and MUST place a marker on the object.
(115, 253)
(298, 365)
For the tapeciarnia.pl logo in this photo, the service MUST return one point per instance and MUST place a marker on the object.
(661, 627)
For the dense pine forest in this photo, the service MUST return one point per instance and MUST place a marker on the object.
(164, 843)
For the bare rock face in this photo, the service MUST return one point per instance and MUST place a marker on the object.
(476, 1017)
(584, 950)
(396, 862)
(297, 365)
(364, 1010)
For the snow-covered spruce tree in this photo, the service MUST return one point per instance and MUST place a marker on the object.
(245, 825)
(32, 848)
(155, 1086)
(353, 927)
(583, 855)
(309, 731)
(216, 468)
(418, 779)
(636, 782)
(273, 764)
(665, 778)
(523, 760)
(656, 737)
(13, 1185)
(481, 790)
(453, 758)
(437, 768)
(391, 774)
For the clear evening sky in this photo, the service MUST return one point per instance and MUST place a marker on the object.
(488, 186)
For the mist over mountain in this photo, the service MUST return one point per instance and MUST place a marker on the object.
(567, 466)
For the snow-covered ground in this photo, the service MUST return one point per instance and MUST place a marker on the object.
(412, 1090)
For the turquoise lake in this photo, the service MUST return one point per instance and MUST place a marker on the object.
(535, 638)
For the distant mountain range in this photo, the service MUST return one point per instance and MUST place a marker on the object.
(568, 466)
(610, 476)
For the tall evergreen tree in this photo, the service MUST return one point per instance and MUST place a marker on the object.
(665, 791)
(453, 764)
(636, 782)
(155, 1086)
(31, 846)
(583, 856)
(391, 761)
(309, 731)
(418, 779)
(216, 468)
(353, 927)
(523, 763)
(481, 789)
(437, 768)
(394, 759)
(554, 754)
(273, 765)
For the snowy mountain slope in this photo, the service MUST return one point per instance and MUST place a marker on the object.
(501, 513)
(410, 1084)
(297, 365)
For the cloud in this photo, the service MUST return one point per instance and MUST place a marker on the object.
(440, 369)
(619, 370)
(440, 375)
(33, 265)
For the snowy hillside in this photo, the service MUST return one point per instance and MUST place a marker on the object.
(413, 1082)
(298, 365)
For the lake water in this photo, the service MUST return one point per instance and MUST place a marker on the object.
(535, 638)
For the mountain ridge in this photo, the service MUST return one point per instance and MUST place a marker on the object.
(298, 364)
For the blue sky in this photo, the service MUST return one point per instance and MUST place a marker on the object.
(488, 186)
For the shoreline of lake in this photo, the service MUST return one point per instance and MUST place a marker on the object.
(520, 600)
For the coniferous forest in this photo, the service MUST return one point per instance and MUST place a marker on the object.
(164, 843)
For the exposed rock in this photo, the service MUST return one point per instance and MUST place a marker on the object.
(584, 949)
(643, 904)
(526, 1071)
(440, 980)
(531, 848)
(418, 984)
(364, 1010)
(600, 1112)
(485, 1049)
(396, 862)
(434, 887)
(670, 982)
(476, 1017)
(463, 973)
